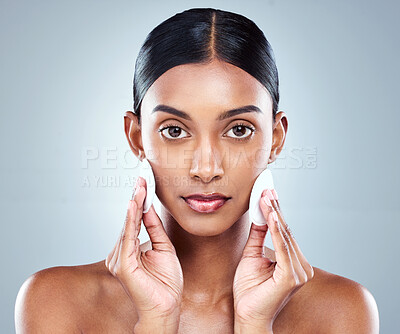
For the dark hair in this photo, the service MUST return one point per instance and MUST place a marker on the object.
(198, 35)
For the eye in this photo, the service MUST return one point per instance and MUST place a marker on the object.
(172, 132)
(241, 131)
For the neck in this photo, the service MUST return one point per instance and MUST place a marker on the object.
(208, 262)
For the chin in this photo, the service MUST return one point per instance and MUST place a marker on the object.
(205, 225)
(202, 225)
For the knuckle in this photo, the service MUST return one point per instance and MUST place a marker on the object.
(284, 246)
(127, 218)
(274, 226)
(289, 232)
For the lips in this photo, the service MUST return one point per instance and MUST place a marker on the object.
(206, 203)
(207, 197)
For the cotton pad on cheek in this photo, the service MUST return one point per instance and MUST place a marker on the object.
(263, 181)
(146, 172)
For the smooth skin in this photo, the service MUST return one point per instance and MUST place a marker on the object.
(200, 272)
(153, 279)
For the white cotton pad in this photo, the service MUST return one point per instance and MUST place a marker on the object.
(263, 181)
(146, 172)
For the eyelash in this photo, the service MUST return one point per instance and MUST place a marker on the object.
(237, 124)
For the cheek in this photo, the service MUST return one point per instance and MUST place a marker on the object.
(246, 159)
(242, 169)
(241, 180)
(170, 156)
(171, 182)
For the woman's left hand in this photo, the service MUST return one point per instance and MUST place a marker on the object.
(262, 287)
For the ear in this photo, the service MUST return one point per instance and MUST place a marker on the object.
(278, 136)
(133, 133)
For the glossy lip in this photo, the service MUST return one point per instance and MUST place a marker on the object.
(206, 197)
(206, 203)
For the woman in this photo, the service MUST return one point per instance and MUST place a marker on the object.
(206, 118)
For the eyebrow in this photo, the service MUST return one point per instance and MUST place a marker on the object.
(226, 114)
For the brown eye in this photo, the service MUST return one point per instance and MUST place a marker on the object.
(241, 131)
(172, 132)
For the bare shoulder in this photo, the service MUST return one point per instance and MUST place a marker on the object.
(62, 299)
(330, 303)
(45, 301)
(346, 305)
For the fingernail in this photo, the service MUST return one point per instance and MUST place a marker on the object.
(275, 194)
(270, 195)
(267, 201)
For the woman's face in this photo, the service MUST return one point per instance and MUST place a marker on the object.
(198, 150)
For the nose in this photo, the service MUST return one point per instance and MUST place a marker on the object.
(206, 162)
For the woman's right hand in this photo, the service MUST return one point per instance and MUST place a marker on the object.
(153, 279)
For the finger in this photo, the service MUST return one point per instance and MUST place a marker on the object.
(273, 197)
(281, 247)
(114, 258)
(300, 275)
(138, 196)
(128, 238)
(296, 264)
(139, 201)
(158, 236)
(308, 270)
(115, 255)
(270, 196)
(275, 194)
(255, 242)
(141, 186)
(137, 181)
(110, 255)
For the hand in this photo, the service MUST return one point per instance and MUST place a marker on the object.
(262, 287)
(152, 279)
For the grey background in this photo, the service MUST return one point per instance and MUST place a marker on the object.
(66, 81)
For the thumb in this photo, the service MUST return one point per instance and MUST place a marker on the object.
(155, 229)
(255, 242)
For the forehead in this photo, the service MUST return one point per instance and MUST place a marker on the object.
(205, 87)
